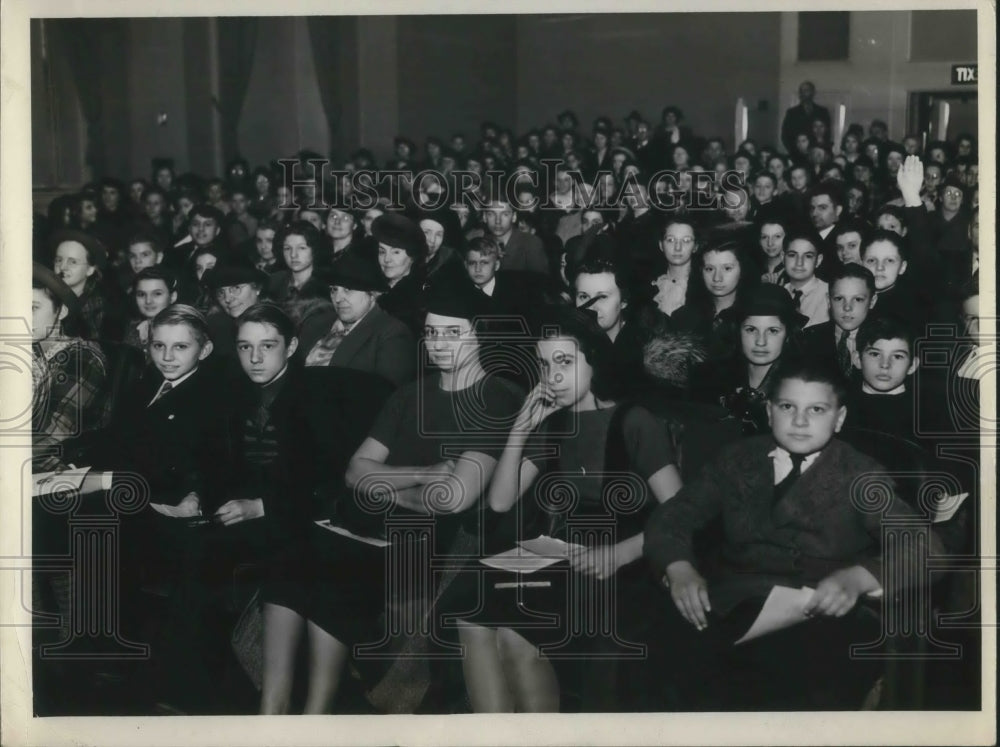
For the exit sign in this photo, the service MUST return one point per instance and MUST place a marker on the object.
(965, 75)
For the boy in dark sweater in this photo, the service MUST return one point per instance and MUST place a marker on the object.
(791, 518)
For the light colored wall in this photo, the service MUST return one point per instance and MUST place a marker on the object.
(875, 81)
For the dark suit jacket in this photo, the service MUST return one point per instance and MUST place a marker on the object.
(815, 529)
(797, 120)
(525, 252)
(819, 342)
(178, 444)
(379, 343)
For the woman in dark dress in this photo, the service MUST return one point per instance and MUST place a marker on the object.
(505, 670)
(426, 461)
(769, 325)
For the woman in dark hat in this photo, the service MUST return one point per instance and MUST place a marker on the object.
(402, 252)
(572, 413)
(68, 372)
(355, 332)
(236, 286)
(440, 435)
(443, 234)
(769, 325)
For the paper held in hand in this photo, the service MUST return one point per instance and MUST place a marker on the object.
(531, 555)
(47, 483)
(782, 609)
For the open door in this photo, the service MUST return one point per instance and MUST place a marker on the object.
(941, 115)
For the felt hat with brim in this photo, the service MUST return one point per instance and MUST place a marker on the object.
(457, 297)
(769, 299)
(398, 231)
(95, 248)
(226, 274)
(42, 275)
(354, 271)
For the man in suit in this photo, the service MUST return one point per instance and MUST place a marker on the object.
(789, 520)
(799, 118)
(518, 250)
(355, 333)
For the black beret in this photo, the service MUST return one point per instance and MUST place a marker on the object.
(769, 299)
(458, 298)
(355, 271)
(235, 272)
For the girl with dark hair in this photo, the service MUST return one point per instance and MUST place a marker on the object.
(203, 260)
(768, 325)
(571, 408)
(724, 273)
(771, 238)
(300, 249)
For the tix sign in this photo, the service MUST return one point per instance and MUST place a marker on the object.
(965, 75)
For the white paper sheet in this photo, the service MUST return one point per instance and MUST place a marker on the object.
(948, 507)
(549, 546)
(782, 609)
(518, 560)
(46, 483)
(373, 541)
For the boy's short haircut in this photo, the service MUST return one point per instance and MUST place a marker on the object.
(884, 327)
(818, 371)
(485, 245)
(156, 272)
(145, 236)
(892, 237)
(856, 271)
(801, 235)
(765, 174)
(270, 313)
(895, 211)
(182, 313)
(205, 210)
(850, 225)
(268, 224)
(832, 189)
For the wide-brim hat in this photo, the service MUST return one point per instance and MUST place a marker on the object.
(395, 230)
(446, 218)
(47, 278)
(226, 274)
(94, 246)
(769, 299)
(355, 271)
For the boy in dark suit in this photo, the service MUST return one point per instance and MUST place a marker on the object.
(852, 293)
(790, 518)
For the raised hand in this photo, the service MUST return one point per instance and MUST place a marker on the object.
(910, 179)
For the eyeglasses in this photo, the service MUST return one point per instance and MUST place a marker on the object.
(338, 218)
(952, 193)
(686, 240)
(444, 333)
(231, 291)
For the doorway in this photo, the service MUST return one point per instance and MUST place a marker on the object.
(925, 109)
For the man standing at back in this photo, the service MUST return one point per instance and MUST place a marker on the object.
(799, 118)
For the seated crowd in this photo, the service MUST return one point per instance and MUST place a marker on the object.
(672, 363)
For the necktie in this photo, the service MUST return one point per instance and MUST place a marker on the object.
(167, 386)
(843, 353)
(782, 487)
(797, 297)
(501, 245)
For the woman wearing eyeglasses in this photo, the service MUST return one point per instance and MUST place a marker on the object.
(678, 245)
(236, 286)
(425, 465)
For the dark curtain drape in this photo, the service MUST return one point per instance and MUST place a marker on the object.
(237, 42)
(81, 41)
(326, 35)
